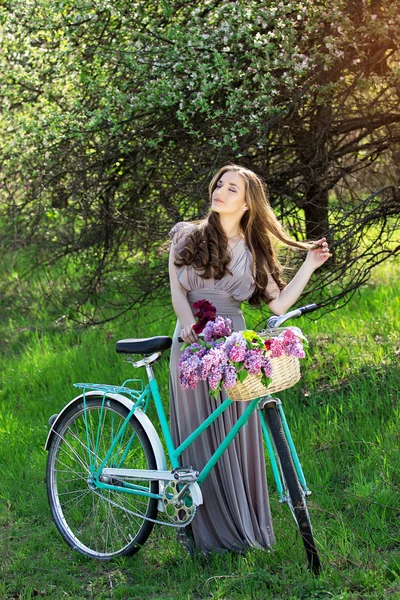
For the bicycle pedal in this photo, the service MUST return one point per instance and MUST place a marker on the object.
(186, 474)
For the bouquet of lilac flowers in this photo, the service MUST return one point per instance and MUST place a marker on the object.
(224, 357)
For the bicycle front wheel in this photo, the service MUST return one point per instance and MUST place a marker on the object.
(294, 491)
(99, 523)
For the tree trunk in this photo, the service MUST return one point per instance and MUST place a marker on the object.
(316, 213)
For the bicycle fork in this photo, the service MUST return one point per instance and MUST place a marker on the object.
(274, 464)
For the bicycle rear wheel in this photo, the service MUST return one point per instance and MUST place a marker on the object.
(295, 494)
(99, 523)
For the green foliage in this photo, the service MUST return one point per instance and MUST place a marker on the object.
(99, 68)
(115, 114)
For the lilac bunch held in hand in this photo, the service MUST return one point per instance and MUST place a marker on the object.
(205, 312)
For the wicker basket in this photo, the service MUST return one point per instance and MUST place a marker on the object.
(285, 373)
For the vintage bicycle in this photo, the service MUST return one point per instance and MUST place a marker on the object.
(108, 480)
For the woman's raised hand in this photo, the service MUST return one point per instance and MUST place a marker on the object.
(189, 335)
(317, 257)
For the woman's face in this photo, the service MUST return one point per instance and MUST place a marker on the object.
(229, 195)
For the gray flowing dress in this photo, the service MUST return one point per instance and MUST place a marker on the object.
(235, 514)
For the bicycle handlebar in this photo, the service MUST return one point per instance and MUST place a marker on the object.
(276, 321)
(200, 335)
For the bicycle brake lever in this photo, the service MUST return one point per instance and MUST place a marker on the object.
(271, 321)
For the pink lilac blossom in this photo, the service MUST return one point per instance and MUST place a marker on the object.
(289, 334)
(293, 345)
(287, 343)
(277, 347)
(237, 353)
(207, 363)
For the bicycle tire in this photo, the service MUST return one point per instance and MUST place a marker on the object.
(99, 523)
(295, 494)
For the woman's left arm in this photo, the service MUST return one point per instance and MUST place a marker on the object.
(290, 294)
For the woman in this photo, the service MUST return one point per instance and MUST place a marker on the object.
(228, 258)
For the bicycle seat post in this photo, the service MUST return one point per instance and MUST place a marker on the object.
(147, 362)
(149, 371)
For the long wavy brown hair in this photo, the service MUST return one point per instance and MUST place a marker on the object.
(207, 247)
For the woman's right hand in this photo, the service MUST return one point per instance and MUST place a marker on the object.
(189, 335)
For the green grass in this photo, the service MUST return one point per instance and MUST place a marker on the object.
(344, 417)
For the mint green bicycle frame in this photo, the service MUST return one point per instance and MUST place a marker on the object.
(142, 400)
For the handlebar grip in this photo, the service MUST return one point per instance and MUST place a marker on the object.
(308, 308)
(200, 336)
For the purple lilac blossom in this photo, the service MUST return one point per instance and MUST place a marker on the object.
(190, 366)
(266, 366)
(293, 344)
(229, 377)
(184, 381)
(190, 370)
(235, 339)
(215, 329)
(222, 327)
(219, 361)
(253, 360)
(208, 331)
(294, 348)
(237, 353)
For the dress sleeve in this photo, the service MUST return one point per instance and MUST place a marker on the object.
(178, 235)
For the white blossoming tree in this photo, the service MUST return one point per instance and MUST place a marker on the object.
(115, 115)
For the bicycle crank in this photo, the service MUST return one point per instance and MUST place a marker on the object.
(178, 503)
